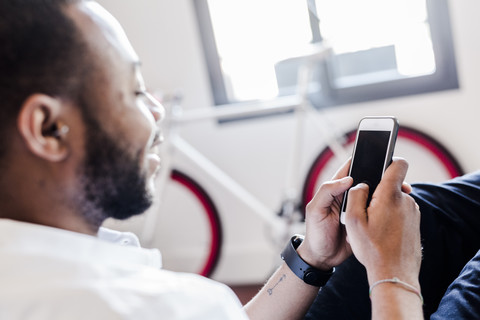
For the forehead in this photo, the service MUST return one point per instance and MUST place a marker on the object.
(103, 33)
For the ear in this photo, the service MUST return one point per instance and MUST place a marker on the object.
(38, 123)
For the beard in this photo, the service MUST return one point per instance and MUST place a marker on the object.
(113, 185)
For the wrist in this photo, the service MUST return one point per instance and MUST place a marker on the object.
(309, 256)
(380, 272)
(394, 284)
(302, 269)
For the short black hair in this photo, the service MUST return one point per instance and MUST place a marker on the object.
(41, 51)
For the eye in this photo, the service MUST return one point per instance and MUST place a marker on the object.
(142, 96)
(148, 99)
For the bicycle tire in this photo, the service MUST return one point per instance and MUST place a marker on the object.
(214, 222)
(445, 157)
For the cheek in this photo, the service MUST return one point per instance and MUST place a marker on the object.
(140, 136)
(138, 123)
(141, 132)
(147, 115)
(133, 126)
(147, 125)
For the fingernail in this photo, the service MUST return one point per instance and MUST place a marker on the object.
(362, 185)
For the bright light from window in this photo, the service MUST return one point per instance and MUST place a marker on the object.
(352, 25)
(253, 35)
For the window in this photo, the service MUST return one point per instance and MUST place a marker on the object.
(381, 48)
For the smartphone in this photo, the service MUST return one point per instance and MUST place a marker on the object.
(372, 154)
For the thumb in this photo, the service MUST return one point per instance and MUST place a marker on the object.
(329, 190)
(393, 179)
(356, 212)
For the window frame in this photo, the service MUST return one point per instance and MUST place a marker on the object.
(444, 78)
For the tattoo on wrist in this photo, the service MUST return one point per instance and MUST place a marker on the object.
(270, 290)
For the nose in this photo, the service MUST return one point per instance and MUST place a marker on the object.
(155, 107)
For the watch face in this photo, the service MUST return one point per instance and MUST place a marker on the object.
(310, 277)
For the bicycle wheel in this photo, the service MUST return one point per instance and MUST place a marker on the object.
(193, 224)
(429, 161)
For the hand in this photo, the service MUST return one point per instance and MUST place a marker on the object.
(385, 237)
(325, 244)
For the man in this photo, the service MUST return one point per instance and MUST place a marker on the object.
(78, 146)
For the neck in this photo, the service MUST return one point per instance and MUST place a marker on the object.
(34, 196)
(69, 224)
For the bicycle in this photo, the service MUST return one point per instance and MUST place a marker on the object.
(204, 237)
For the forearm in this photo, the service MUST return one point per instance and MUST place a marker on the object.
(284, 296)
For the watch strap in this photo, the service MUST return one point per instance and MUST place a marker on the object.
(310, 275)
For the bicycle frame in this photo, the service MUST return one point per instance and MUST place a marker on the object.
(174, 143)
(298, 104)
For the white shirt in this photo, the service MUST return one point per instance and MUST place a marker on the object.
(54, 274)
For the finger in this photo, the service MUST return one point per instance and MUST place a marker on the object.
(406, 187)
(417, 207)
(328, 191)
(356, 212)
(394, 176)
(343, 170)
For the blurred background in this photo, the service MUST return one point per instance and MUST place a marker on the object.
(413, 59)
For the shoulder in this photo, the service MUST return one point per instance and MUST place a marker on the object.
(453, 203)
(174, 295)
(205, 298)
(145, 295)
(467, 186)
(470, 181)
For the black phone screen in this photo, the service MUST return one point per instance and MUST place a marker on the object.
(369, 159)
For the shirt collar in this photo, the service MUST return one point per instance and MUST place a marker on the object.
(28, 238)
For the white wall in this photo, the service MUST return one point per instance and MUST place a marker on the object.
(165, 36)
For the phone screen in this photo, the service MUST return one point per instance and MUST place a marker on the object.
(369, 160)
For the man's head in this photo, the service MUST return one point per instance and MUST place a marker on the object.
(68, 64)
(42, 51)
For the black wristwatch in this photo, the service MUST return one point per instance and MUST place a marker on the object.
(303, 270)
